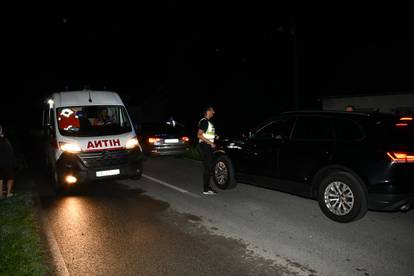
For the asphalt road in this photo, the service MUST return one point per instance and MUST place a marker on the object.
(163, 225)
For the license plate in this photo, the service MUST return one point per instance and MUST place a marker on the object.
(108, 173)
(171, 141)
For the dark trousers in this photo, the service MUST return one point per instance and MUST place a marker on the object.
(206, 152)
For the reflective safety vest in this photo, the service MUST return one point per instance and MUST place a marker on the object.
(210, 134)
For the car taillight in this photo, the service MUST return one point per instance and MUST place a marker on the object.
(185, 139)
(401, 125)
(153, 140)
(406, 118)
(401, 157)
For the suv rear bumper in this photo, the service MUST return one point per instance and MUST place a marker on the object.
(390, 202)
(164, 150)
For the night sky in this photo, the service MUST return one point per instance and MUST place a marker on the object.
(171, 58)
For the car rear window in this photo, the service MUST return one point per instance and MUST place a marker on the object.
(313, 128)
(161, 128)
(347, 130)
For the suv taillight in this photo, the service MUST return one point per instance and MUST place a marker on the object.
(401, 157)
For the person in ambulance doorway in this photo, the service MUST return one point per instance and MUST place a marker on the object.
(206, 136)
(8, 164)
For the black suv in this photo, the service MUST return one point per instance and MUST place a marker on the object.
(348, 161)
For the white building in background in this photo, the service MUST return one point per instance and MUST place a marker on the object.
(400, 103)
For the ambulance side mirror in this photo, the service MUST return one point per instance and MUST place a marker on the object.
(50, 130)
(137, 127)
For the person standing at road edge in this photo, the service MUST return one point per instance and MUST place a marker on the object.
(7, 164)
(206, 135)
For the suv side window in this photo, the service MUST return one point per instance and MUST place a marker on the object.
(313, 128)
(278, 130)
(347, 130)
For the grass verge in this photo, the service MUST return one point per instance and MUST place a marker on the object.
(20, 247)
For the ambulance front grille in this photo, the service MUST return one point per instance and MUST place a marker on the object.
(104, 158)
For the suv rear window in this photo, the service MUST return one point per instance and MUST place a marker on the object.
(347, 130)
(395, 132)
(161, 129)
(313, 128)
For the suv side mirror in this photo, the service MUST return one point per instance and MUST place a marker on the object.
(279, 137)
(247, 135)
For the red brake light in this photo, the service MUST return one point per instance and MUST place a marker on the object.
(401, 157)
(153, 140)
(401, 125)
(406, 118)
(185, 139)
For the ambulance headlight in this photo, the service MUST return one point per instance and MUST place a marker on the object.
(69, 147)
(132, 143)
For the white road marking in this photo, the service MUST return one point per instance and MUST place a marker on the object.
(59, 262)
(171, 186)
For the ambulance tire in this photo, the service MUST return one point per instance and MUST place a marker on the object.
(57, 183)
(138, 176)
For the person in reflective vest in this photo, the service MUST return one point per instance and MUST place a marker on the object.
(206, 135)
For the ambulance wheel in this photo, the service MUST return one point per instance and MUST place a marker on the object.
(139, 174)
(137, 177)
(57, 182)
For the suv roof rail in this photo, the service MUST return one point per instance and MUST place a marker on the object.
(328, 112)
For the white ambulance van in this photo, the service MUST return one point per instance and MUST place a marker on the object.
(89, 137)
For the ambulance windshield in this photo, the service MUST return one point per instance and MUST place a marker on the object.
(87, 121)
